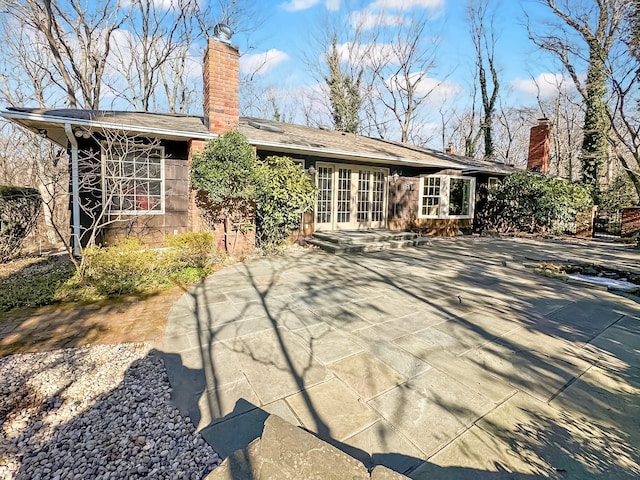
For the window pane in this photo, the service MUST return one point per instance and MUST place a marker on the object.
(431, 197)
(133, 178)
(459, 193)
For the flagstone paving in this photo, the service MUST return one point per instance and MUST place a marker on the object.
(448, 360)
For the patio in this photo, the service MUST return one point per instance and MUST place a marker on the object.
(448, 360)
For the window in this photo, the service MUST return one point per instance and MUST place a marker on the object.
(430, 200)
(133, 179)
(493, 182)
(459, 196)
(443, 196)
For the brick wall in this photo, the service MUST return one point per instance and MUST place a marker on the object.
(540, 147)
(630, 222)
(220, 86)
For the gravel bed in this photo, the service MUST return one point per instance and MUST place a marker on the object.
(95, 412)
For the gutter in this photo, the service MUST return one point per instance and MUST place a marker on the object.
(75, 190)
(106, 125)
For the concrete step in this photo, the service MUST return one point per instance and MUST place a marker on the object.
(346, 248)
(359, 237)
(401, 240)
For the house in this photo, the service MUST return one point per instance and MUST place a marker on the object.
(143, 185)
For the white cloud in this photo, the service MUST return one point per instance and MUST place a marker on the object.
(436, 91)
(366, 19)
(297, 5)
(262, 63)
(406, 4)
(546, 85)
(367, 54)
(332, 5)
(159, 4)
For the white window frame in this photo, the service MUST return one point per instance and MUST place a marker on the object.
(493, 182)
(443, 204)
(105, 158)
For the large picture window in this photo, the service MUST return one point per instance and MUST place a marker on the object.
(133, 179)
(444, 196)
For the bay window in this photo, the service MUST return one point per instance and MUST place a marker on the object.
(444, 196)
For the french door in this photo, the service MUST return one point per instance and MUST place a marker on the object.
(350, 197)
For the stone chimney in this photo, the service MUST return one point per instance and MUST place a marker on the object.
(539, 146)
(220, 77)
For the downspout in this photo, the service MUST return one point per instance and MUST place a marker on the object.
(75, 190)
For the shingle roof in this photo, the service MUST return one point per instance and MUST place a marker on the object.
(168, 121)
(318, 139)
(278, 136)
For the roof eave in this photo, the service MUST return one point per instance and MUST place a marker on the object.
(345, 155)
(49, 119)
(21, 117)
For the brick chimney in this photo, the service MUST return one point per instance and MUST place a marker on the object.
(451, 148)
(220, 77)
(539, 146)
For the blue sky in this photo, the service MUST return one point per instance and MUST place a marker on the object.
(283, 39)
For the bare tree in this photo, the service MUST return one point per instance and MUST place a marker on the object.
(625, 105)
(511, 135)
(584, 34)
(119, 186)
(78, 40)
(400, 65)
(484, 41)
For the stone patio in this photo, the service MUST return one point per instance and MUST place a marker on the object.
(448, 360)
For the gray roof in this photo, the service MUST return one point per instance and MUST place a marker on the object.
(264, 134)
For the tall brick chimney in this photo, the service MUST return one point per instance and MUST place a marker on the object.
(220, 77)
(539, 146)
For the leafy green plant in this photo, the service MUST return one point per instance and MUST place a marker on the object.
(124, 268)
(232, 185)
(531, 203)
(34, 282)
(19, 211)
(223, 175)
(284, 193)
(619, 195)
(192, 254)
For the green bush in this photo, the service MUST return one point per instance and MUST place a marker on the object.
(231, 184)
(619, 195)
(124, 268)
(192, 253)
(531, 203)
(19, 211)
(284, 193)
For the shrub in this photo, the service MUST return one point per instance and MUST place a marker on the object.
(19, 211)
(284, 193)
(193, 250)
(619, 195)
(124, 268)
(527, 202)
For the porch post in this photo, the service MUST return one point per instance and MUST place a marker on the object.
(75, 190)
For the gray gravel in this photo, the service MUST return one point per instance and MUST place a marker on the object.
(100, 412)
